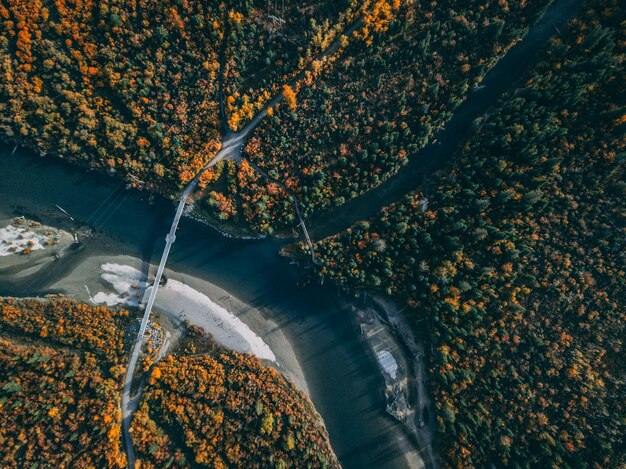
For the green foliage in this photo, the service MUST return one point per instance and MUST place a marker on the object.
(61, 369)
(516, 258)
(382, 98)
(262, 52)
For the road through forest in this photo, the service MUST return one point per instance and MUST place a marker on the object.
(503, 77)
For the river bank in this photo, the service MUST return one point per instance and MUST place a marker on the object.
(27, 246)
(343, 379)
(124, 280)
(401, 359)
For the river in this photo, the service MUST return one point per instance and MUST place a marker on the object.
(343, 378)
(342, 375)
(507, 74)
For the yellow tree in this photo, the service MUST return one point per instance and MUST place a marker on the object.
(290, 96)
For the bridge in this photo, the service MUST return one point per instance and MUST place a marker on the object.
(232, 147)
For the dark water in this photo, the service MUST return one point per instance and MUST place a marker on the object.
(343, 377)
(506, 75)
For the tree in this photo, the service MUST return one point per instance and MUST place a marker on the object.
(289, 96)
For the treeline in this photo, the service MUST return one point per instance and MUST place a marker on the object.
(225, 409)
(398, 79)
(127, 86)
(61, 366)
(516, 258)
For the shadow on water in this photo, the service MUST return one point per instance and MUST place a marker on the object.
(343, 378)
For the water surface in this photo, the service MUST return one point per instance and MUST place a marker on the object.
(342, 375)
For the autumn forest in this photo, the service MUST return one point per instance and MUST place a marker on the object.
(509, 258)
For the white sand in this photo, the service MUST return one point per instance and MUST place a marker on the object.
(128, 283)
(227, 329)
(184, 303)
(387, 362)
(120, 285)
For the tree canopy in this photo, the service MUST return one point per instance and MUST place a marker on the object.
(516, 259)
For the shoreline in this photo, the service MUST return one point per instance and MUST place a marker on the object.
(400, 356)
(344, 381)
(85, 283)
(27, 246)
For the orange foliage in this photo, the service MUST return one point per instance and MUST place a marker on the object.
(290, 97)
(225, 410)
(60, 384)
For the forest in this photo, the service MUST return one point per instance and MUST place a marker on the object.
(357, 121)
(61, 369)
(224, 409)
(62, 366)
(515, 257)
(268, 44)
(96, 84)
(513, 254)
